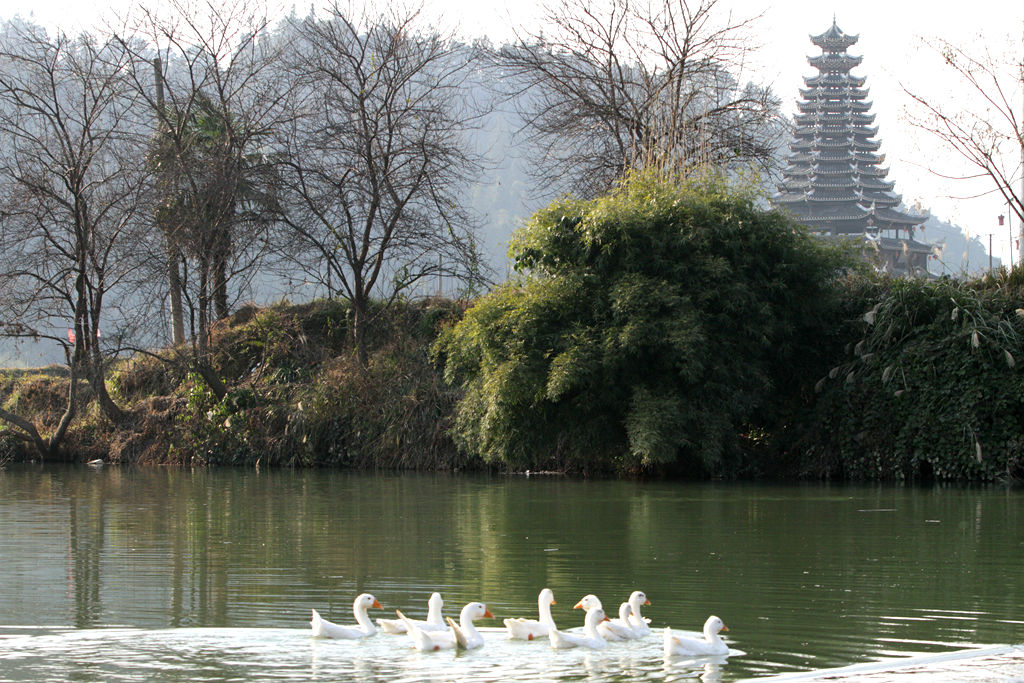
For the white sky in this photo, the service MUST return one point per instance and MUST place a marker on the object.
(891, 41)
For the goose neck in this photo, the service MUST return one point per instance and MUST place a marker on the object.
(363, 619)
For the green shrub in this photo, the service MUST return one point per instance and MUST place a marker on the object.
(930, 388)
(649, 327)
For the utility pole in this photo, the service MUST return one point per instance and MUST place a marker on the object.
(1009, 228)
(1020, 139)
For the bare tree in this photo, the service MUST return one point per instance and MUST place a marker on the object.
(989, 135)
(617, 84)
(378, 158)
(214, 103)
(71, 178)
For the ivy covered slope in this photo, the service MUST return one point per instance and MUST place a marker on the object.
(648, 329)
(930, 386)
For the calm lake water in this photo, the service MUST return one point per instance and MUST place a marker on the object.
(122, 574)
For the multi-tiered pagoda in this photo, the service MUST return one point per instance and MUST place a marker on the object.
(834, 182)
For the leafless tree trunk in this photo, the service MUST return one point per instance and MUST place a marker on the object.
(170, 239)
(71, 178)
(990, 135)
(378, 158)
(618, 84)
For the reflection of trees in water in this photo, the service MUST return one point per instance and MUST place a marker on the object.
(86, 533)
(211, 548)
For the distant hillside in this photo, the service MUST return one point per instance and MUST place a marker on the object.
(960, 255)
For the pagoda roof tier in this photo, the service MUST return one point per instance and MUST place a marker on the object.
(835, 94)
(833, 169)
(844, 190)
(805, 212)
(862, 118)
(833, 128)
(814, 106)
(835, 182)
(897, 217)
(832, 62)
(834, 80)
(833, 166)
(823, 117)
(880, 199)
(875, 171)
(831, 195)
(871, 183)
(863, 144)
(805, 182)
(834, 157)
(834, 40)
(810, 143)
(844, 107)
(869, 157)
(834, 142)
(865, 131)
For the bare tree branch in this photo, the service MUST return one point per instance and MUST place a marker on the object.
(619, 84)
(71, 197)
(990, 135)
(378, 156)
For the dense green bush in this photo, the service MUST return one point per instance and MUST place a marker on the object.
(298, 396)
(650, 326)
(930, 387)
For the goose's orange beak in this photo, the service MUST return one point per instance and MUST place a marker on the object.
(376, 603)
(647, 601)
(578, 605)
(724, 627)
(606, 618)
(487, 614)
(553, 602)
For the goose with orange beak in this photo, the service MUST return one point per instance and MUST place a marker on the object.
(463, 635)
(711, 645)
(326, 629)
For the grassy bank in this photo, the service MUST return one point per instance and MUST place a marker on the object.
(296, 396)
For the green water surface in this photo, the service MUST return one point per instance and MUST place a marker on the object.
(165, 574)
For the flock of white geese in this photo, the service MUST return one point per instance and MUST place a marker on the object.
(439, 633)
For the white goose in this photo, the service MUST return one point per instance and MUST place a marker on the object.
(712, 643)
(589, 602)
(589, 638)
(637, 620)
(618, 629)
(326, 629)
(434, 622)
(528, 629)
(463, 634)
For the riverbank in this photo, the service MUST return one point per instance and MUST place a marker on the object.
(911, 381)
(295, 396)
